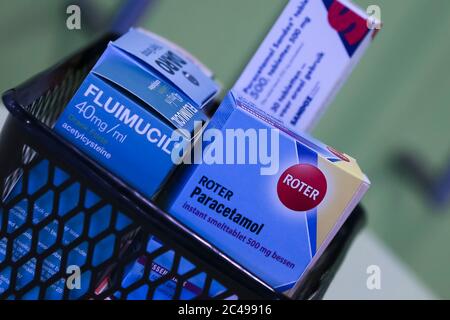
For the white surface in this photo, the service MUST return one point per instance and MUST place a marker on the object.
(397, 281)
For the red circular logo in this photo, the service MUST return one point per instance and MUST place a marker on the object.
(302, 187)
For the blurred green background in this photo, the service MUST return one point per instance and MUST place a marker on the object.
(396, 100)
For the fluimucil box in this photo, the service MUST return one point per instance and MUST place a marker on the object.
(304, 60)
(141, 90)
(268, 198)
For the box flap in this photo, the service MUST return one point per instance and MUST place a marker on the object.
(170, 63)
(171, 103)
(312, 143)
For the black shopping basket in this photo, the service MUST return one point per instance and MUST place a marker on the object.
(27, 142)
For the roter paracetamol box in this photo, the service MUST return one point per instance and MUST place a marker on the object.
(275, 219)
(141, 90)
(304, 60)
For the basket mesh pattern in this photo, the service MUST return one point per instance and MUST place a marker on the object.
(60, 240)
(49, 106)
(159, 272)
(50, 221)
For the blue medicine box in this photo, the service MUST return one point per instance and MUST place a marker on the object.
(124, 115)
(268, 198)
